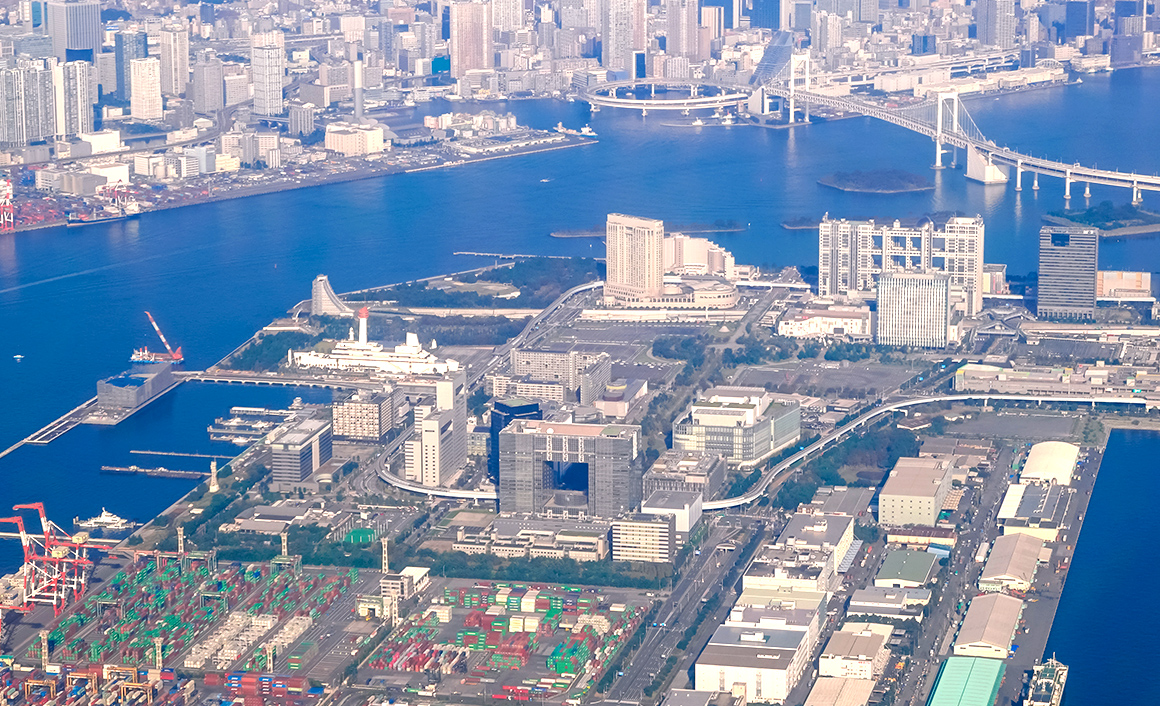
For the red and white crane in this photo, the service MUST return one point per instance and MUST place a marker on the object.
(56, 564)
(144, 355)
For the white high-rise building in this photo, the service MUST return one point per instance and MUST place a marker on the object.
(267, 65)
(914, 309)
(853, 254)
(828, 32)
(507, 15)
(145, 91)
(624, 30)
(995, 20)
(75, 28)
(72, 84)
(174, 60)
(471, 40)
(635, 254)
(682, 30)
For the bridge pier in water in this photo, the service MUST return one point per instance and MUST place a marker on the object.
(1137, 194)
(1087, 190)
(1067, 185)
(1019, 175)
(1035, 184)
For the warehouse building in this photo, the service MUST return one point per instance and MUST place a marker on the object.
(1050, 462)
(989, 627)
(1012, 563)
(915, 492)
(901, 603)
(833, 691)
(906, 568)
(967, 681)
(1035, 509)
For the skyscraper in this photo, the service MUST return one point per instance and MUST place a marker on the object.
(75, 28)
(867, 11)
(73, 97)
(26, 104)
(995, 20)
(145, 101)
(852, 254)
(471, 40)
(507, 15)
(267, 65)
(1068, 265)
(772, 14)
(1079, 18)
(913, 309)
(208, 96)
(174, 60)
(127, 46)
(682, 35)
(503, 413)
(624, 30)
(537, 457)
(635, 252)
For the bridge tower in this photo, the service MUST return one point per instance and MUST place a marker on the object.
(945, 99)
(798, 64)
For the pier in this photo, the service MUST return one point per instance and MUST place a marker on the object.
(161, 472)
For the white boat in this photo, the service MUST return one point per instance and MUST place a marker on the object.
(105, 522)
(18, 357)
(698, 122)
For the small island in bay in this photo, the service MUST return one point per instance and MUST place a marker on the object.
(803, 223)
(877, 181)
(1108, 217)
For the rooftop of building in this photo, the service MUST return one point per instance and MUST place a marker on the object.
(967, 681)
(1013, 555)
(299, 432)
(853, 645)
(991, 620)
(841, 500)
(917, 477)
(907, 565)
(1050, 461)
(536, 426)
(901, 596)
(682, 463)
(1043, 505)
(671, 500)
(690, 697)
(836, 691)
(815, 530)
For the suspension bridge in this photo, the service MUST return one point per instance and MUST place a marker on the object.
(943, 118)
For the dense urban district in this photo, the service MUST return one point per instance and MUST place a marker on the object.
(663, 477)
(109, 110)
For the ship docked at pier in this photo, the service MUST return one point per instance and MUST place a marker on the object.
(106, 525)
(1047, 682)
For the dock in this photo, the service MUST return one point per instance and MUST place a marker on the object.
(179, 453)
(161, 472)
(64, 423)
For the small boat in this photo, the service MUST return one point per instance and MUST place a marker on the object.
(698, 122)
(18, 357)
(545, 181)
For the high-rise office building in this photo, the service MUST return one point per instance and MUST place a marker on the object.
(635, 255)
(75, 29)
(297, 452)
(302, 116)
(174, 47)
(772, 14)
(145, 98)
(914, 309)
(1079, 18)
(1068, 266)
(624, 31)
(504, 412)
(73, 97)
(829, 31)
(208, 95)
(438, 446)
(507, 15)
(26, 104)
(995, 21)
(682, 29)
(867, 11)
(731, 10)
(538, 457)
(852, 254)
(127, 46)
(267, 65)
(471, 39)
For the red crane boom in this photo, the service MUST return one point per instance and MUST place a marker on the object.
(174, 355)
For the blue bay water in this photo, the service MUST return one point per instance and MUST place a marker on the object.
(71, 301)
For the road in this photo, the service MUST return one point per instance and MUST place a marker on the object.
(703, 575)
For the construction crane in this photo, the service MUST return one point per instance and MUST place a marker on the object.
(144, 355)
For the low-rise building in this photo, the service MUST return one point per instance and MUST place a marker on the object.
(1012, 563)
(826, 322)
(688, 471)
(578, 545)
(906, 568)
(746, 425)
(891, 603)
(645, 538)
(842, 500)
(967, 681)
(989, 626)
(764, 664)
(1050, 462)
(1035, 509)
(860, 654)
(351, 140)
(683, 506)
(834, 691)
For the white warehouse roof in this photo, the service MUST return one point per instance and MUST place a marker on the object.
(1050, 462)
